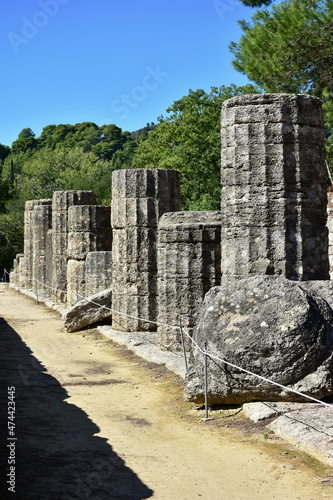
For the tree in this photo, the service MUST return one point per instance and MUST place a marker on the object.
(62, 169)
(11, 237)
(256, 3)
(188, 140)
(4, 152)
(25, 141)
(289, 48)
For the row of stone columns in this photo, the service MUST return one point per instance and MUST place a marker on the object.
(163, 261)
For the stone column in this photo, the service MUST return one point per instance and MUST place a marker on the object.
(98, 272)
(14, 279)
(27, 278)
(89, 229)
(62, 200)
(42, 222)
(189, 264)
(48, 277)
(139, 199)
(274, 187)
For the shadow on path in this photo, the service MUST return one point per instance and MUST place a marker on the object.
(56, 453)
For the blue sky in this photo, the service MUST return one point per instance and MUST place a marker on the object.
(109, 61)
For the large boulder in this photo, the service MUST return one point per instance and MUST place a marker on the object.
(88, 311)
(270, 326)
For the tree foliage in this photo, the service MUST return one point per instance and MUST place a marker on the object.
(256, 3)
(288, 48)
(65, 168)
(188, 140)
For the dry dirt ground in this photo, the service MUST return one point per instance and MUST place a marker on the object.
(94, 421)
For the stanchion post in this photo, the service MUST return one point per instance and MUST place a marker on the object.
(206, 383)
(183, 343)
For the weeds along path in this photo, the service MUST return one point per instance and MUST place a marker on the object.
(94, 421)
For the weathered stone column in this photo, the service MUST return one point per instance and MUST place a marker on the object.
(15, 275)
(27, 275)
(89, 229)
(274, 187)
(62, 200)
(48, 277)
(189, 264)
(139, 199)
(42, 222)
(98, 272)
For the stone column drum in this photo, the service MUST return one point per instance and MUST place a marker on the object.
(62, 200)
(27, 277)
(98, 272)
(189, 264)
(139, 198)
(274, 187)
(89, 229)
(42, 223)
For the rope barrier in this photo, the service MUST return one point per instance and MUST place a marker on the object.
(203, 351)
(329, 173)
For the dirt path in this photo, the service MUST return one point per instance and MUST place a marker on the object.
(95, 422)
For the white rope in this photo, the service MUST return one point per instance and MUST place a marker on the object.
(329, 173)
(203, 351)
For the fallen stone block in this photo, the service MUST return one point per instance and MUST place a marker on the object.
(88, 311)
(271, 327)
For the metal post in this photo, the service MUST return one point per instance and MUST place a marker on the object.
(206, 383)
(183, 343)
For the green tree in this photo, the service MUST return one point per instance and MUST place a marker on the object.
(288, 48)
(123, 158)
(62, 169)
(256, 3)
(188, 140)
(25, 141)
(11, 237)
(4, 152)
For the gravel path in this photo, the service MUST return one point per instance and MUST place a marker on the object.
(94, 421)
